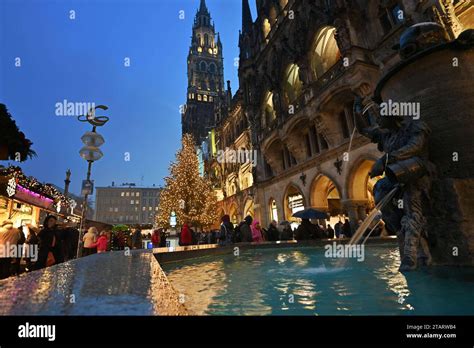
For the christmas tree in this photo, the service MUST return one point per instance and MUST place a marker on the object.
(186, 193)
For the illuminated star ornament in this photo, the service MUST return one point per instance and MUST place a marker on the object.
(11, 188)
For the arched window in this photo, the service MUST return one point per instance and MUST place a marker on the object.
(212, 85)
(292, 84)
(204, 97)
(325, 51)
(273, 210)
(212, 68)
(268, 111)
(266, 28)
(203, 66)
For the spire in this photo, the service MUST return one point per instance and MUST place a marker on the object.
(246, 17)
(203, 7)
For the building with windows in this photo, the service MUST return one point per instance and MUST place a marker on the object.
(207, 97)
(302, 65)
(128, 205)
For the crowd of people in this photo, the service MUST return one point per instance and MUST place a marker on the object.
(52, 244)
(250, 230)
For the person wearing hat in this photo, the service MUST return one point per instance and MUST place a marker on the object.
(8, 236)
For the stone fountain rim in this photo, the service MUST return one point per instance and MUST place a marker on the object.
(404, 63)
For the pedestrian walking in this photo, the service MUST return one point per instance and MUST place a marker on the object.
(49, 246)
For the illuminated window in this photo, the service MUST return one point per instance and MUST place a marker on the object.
(273, 210)
(325, 51)
(204, 97)
(266, 28)
(199, 97)
(292, 84)
(211, 99)
(268, 111)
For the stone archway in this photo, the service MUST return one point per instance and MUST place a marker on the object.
(360, 189)
(326, 196)
(234, 213)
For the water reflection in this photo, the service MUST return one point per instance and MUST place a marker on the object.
(304, 282)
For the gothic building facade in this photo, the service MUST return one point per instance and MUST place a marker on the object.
(302, 65)
(206, 96)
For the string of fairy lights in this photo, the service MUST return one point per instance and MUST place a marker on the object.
(35, 186)
(186, 193)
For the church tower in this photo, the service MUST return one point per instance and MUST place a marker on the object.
(206, 93)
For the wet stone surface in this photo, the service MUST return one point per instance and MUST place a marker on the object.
(101, 284)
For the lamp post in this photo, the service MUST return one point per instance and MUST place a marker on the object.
(91, 153)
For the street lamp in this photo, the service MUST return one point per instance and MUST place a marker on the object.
(91, 153)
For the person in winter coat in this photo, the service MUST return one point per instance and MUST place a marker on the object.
(272, 233)
(49, 247)
(286, 232)
(101, 243)
(8, 236)
(257, 235)
(346, 229)
(16, 261)
(186, 237)
(245, 231)
(330, 232)
(306, 230)
(226, 232)
(32, 242)
(338, 229)
(90, 240)
(155, 239)
(137, 239)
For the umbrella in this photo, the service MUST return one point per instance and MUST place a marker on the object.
(310, 213)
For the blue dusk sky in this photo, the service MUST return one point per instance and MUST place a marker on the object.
(82, 60)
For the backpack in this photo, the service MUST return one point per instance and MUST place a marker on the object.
(237, 235)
